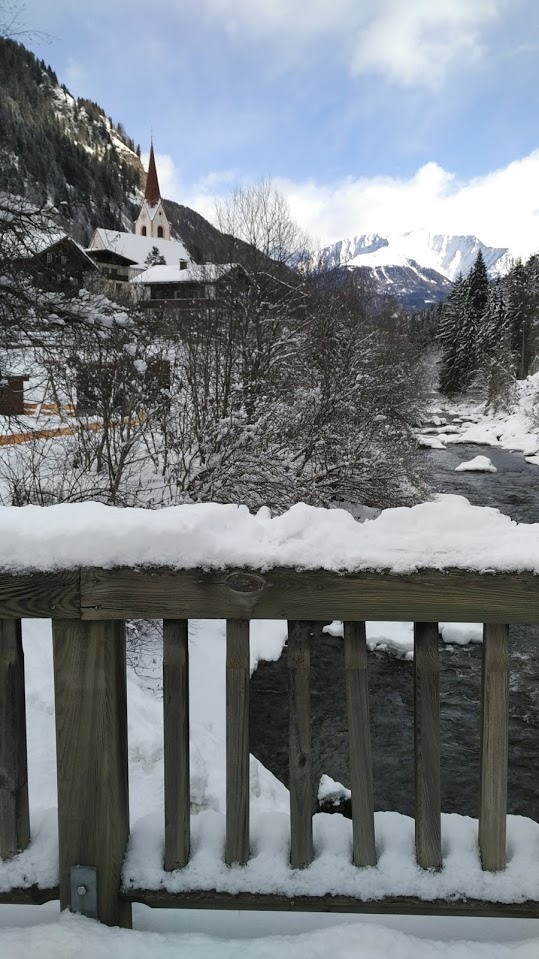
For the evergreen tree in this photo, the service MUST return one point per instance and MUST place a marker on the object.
(455, 320)
(478, 288)
(523, 307)
(155, 258)
(495, 322)
(497, 366)
(461, 329)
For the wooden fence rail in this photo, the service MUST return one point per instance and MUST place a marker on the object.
(88, 610)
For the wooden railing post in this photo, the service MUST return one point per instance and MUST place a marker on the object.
(300, 634)
(357, 697)
(494, 748)
(176, 742)
(14, 816)
(428, 802)
(237, 741)
(91, 756)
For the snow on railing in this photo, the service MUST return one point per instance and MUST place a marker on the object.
(93, 567)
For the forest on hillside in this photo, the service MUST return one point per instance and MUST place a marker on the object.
(487, 332)
(62, 150)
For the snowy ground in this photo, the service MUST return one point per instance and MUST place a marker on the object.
(516, 430)
(72, 936)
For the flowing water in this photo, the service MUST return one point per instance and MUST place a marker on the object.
(514, 489)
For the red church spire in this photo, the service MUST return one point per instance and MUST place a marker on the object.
(152, 193)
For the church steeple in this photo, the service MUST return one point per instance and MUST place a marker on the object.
(152, 194)
(152, 219)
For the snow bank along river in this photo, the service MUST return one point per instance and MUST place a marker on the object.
(514, 489)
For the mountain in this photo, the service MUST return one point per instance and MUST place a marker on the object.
(418, 267)
(63, 150)
(411, 285)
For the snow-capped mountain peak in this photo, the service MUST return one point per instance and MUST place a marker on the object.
(448, 255)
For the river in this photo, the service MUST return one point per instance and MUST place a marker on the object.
(514, 489)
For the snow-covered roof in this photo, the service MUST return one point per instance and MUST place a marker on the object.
(195, 273)
(137, 248)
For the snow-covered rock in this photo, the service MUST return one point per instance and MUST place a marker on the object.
(332, 792)
(479, 464)
(431, 441)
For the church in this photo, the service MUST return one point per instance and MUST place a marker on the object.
(155, 266)
(152, 219)
(122, 256)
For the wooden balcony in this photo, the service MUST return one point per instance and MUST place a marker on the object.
(89, 608)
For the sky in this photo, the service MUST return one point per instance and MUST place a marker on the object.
(371, 116)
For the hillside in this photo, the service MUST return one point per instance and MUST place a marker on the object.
(63, 150)
(67, 152)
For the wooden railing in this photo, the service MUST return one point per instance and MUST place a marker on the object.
(88, 609)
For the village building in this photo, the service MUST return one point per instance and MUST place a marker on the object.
(181, 285)
(125, 255)
(57, 263)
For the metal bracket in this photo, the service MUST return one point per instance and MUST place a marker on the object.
(83, 889)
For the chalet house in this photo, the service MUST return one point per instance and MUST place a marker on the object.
(112, 265)
(60, 265)
(184, 284)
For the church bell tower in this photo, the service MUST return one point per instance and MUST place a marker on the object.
(152, 219)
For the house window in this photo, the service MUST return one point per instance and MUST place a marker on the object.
(49, 257)
(143, 231)
(160, 231)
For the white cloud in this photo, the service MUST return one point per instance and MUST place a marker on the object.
(501, 208)
(419, 42)
(406, 41)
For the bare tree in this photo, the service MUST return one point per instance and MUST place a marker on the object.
(260, 216)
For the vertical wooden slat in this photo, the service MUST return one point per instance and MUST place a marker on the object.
(428, 802)
(494, 736)
(91, 756)
(237, 741)
(357, 697)
(14, 815)
(176, 742)
(300, 634)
